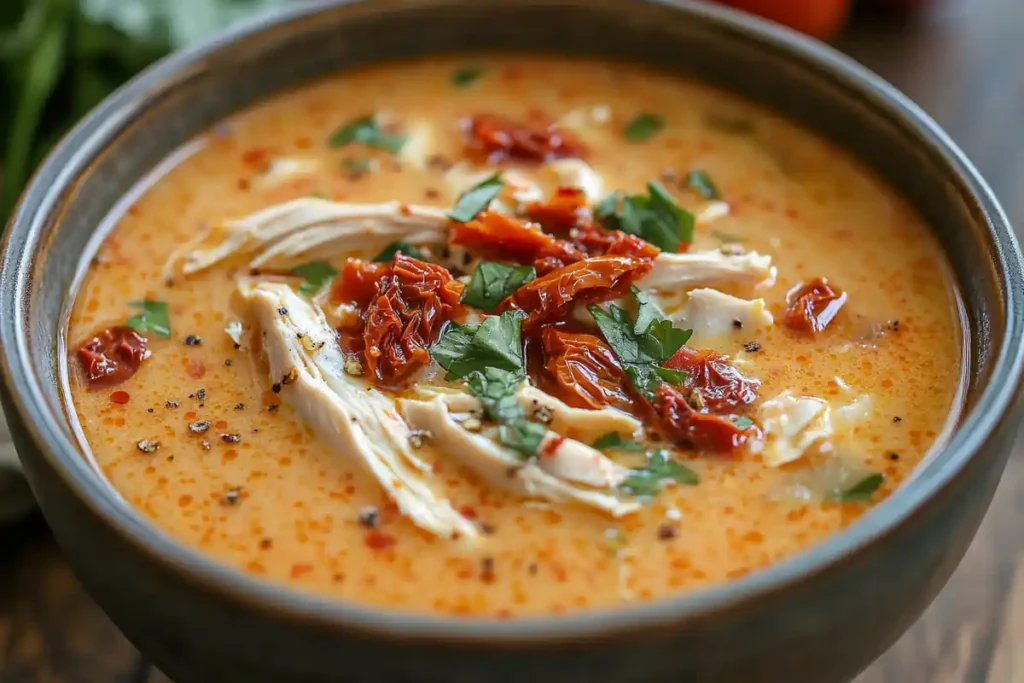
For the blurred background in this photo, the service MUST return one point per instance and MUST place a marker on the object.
(960, 59)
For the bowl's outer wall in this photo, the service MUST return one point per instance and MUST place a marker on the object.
(822, 630)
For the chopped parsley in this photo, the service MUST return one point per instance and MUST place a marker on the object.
(489, 356)
(741, 421)
(642, 127)
(860, 492)
(492, 282)
(407, 249)
(642, 353)
(656, 217)
(315, 276)
(476, 199)
(660, 470)
(466, 76)
(612, 441)
(155, 317)
(365, 131)
(699, 181)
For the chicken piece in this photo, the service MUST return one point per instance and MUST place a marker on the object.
(708, 269)
(353, 420)
(548, 476)
(581, 424)
(288, 231)
(712, 315)
(792, 425)
(576, 173)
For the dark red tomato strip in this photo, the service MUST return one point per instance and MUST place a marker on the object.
(681, 423)
(112, 356)
(812, 305)
(496, 139)
(549, 297)
(722, 387)
(504, 238)
(586, 370)
(566, 209)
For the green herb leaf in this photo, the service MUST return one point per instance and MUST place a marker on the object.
(476, 199)
(496, 343)
(315, 276)
(365, 131)
(741, 421)
(860, 492)
(662, 340)
(612, 441)
(155, 317)
(407, 249)
(522, 435)
(492, 282)
(466, 76)
(656, 217)
(642, 127)
(618, 332)
(647, 311)
(700, 183)
(660, 470)
(671, 376)
(496, 390)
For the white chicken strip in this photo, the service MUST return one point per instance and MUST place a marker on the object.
(354, 421)
(549, 476)
(712, 314)
(577, 173)
(708, 269)
(288, 231)
(577, 423)
(792, 425)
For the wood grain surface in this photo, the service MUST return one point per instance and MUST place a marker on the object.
(963, 61)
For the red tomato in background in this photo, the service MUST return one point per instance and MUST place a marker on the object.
(819, 18)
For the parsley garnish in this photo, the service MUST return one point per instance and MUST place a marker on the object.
(366, 131)
(655, 217)
(647, 311)
(642, 127)
(155, 317)
(492, 282)
(476, 199)
(699, 182)
(490, 357)
(860, 492)
(660, 469)
(407, 249)
(315, 275)
(741, 421)
(466, 76)
(642, 354)
(613, 442)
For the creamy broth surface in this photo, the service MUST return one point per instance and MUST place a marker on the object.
(258, 490)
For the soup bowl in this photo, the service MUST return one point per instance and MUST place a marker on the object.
(818, 617)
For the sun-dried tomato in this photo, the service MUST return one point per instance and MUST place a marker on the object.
(722, 387)
(495, 139)
(586, 370)
(682, 424)
(596, 241)
(504, 238)
(405, 316)
(566, 209)
(812, 305)
(358, 282)
(548, 298)
(112, 356)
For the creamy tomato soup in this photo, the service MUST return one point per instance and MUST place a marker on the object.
(506, 336)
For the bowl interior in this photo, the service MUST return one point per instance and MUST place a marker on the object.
(130, 133)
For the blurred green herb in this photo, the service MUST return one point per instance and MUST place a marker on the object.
(60, 58)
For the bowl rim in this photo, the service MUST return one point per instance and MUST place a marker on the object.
(26, 390)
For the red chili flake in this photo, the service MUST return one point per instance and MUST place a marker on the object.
(378, 540)
(812, 305)
(495, 139)
(552, 446)
(120, 397)
(722, 387)
(112, 356)
(468, 511)
(195, 368)
(548, 298)
(257, 157)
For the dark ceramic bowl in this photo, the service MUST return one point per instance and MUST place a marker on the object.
(819, 617)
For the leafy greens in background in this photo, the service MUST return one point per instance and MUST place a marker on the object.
(59, 58)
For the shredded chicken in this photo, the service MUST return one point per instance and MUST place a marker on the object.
(289, 231)
(712, 314)
(577, 173)
(354, 420)
(565, 470)
(578, 423)
(708, 269)
(792, 425)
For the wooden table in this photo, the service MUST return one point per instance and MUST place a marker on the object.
(963, 61)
